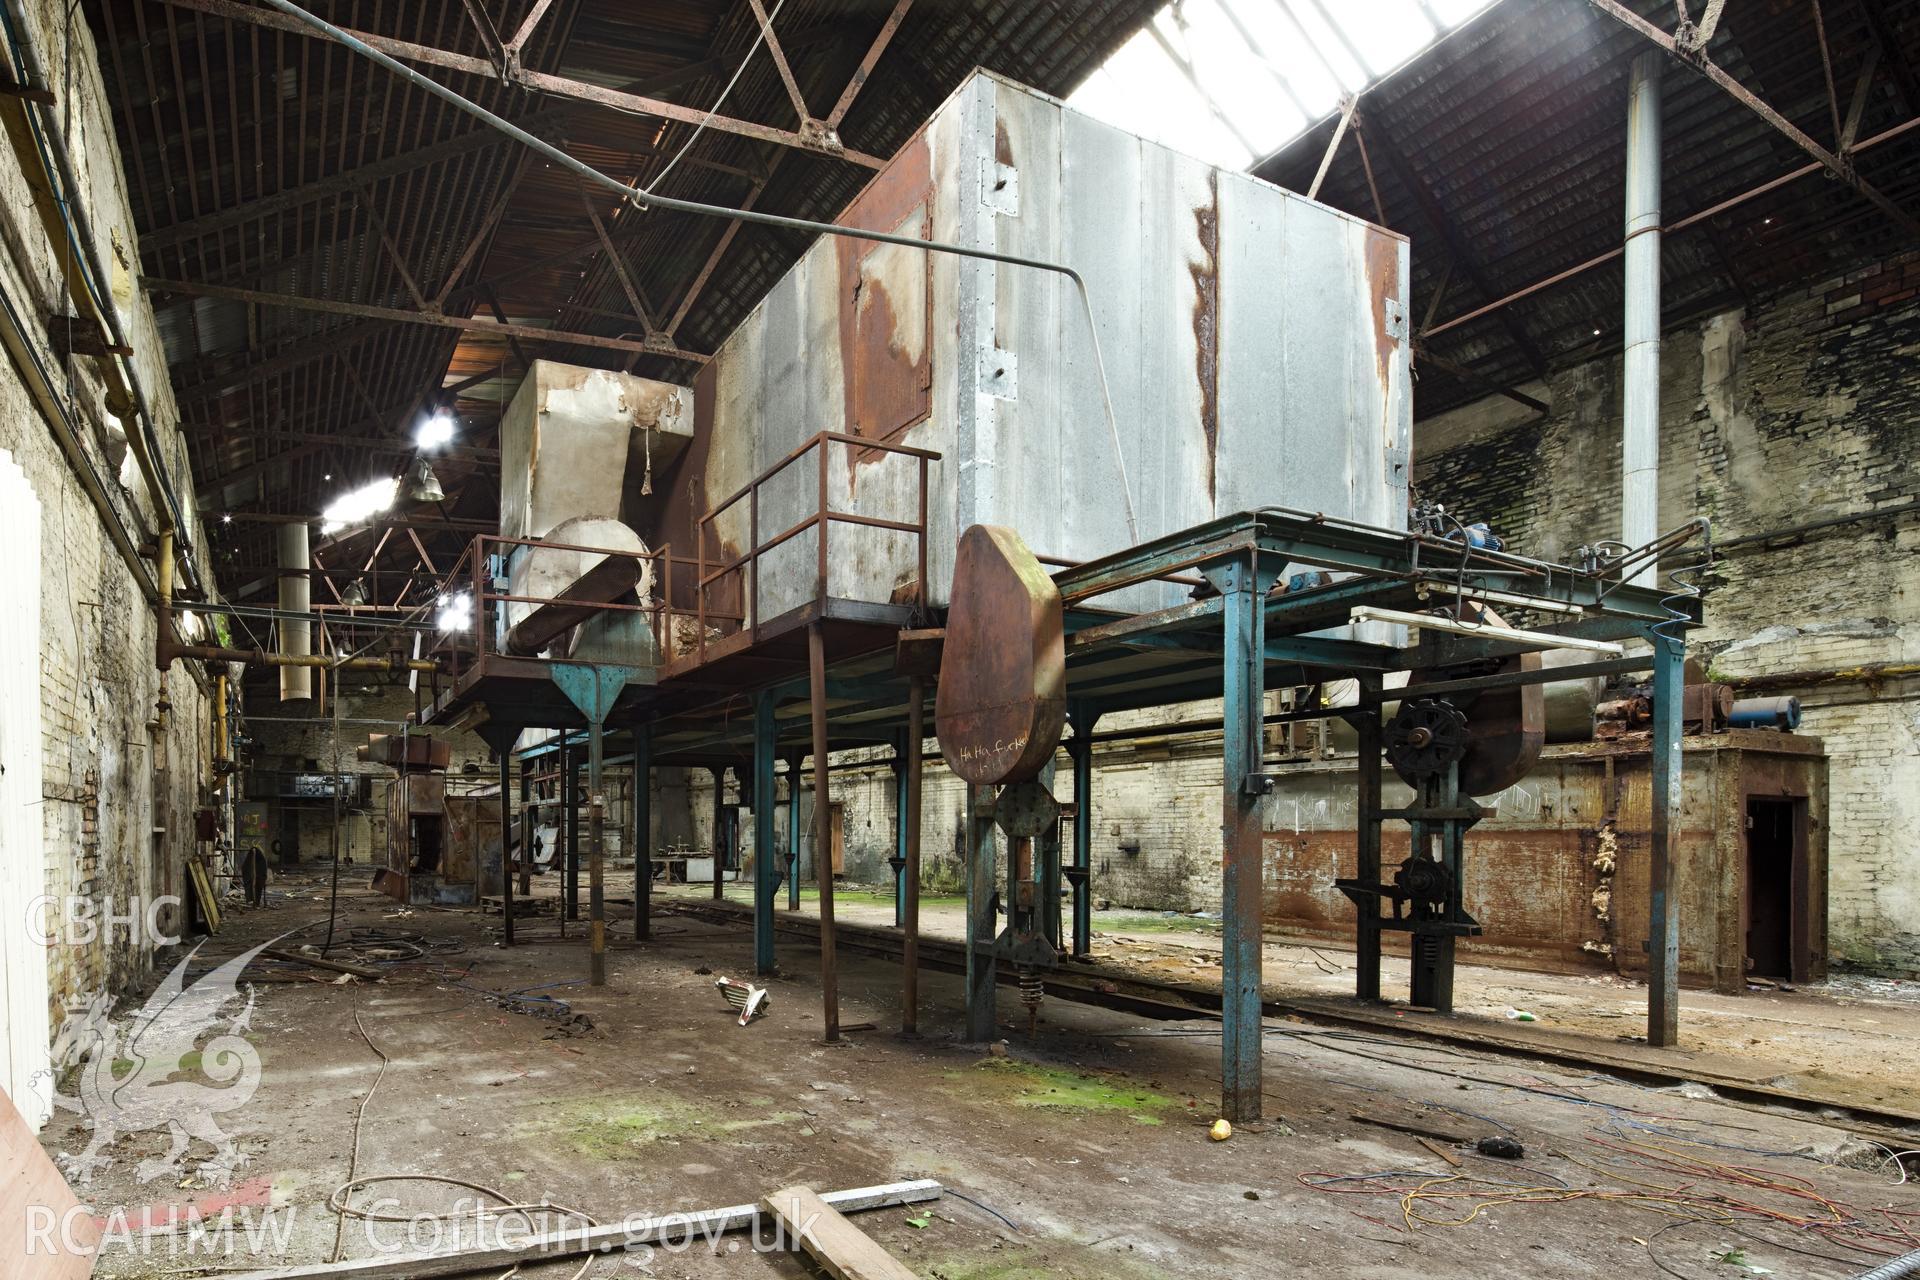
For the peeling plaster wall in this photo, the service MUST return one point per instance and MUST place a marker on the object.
(121, 778)
(1804, 410)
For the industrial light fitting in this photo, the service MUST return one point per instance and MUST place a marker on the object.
(355, 595)
(435, 431)
(422, 484)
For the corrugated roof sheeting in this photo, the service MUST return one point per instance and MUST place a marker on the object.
(1515, 124)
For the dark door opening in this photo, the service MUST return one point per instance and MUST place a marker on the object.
(1774, 877)
(428, 838)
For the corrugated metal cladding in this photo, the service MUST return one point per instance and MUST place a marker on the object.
(1254, 345)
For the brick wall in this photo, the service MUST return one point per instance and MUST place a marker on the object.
(127, 750)
(1802, 411)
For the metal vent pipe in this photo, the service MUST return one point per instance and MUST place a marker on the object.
(296, 592)
(1640, 383)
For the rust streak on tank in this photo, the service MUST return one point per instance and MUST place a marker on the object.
(1206, 321)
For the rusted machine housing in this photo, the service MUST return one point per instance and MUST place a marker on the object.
(443, 849)
(1561, 857)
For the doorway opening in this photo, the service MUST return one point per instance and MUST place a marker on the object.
(1776, 881)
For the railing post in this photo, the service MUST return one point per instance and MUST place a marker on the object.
(924, 597)
(700, 588)
(752, 565)
(479, 598)
(822, 523)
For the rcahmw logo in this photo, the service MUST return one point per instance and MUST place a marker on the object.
(124, 1073)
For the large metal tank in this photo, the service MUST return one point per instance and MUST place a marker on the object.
(1254, 342)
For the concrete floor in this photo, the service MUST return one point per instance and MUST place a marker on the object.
(1082, 1152)
(1861, 1035)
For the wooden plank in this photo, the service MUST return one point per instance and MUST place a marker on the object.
(606, 582)
(843, 1250)
(571, 1242)
(39, 1214)
(1406, 1126)
(1440, 1151)
(203, 892)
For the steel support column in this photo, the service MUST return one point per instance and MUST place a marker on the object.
(898, 862)
(1046, 856)
(596, 854)
(1244, 587)
(527, 827)
(983, 1023)
(501, 738)
(766, 867)
(910, 876)
(1366, 942)
(594, 690)
(793, 831)
(1663, 908)
(1080, 874)
(719, 773)
(506, 843)
(822, 830)
(569, 794)
(642, 832)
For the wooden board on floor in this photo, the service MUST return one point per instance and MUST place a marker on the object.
(843, 1250)
(203, 891)
(38, 1211)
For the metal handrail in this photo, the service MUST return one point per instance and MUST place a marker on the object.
(472, 564)
(822, 519)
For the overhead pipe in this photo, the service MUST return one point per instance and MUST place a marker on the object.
(18, 338)
(648, 199)
(296, 597)
(305, 662)
(1640, 379)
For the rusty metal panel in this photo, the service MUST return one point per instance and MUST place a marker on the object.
(1002, 693)
(1557, 873)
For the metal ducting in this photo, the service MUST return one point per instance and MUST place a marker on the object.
(296, 596)
(1640, 382)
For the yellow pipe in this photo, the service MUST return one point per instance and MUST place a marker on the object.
(214, 653)
(219, 720)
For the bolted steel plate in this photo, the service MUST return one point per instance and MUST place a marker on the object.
(1025, 809)
(1001, 705)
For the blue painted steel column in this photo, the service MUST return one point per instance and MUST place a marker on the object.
(793, 832)
(1243, 855)
(982, 874)
(642, 832)
(766, 868)
(1663, 910)
(1080, 748)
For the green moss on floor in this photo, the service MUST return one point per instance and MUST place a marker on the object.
(623, 1126)
(1153, 922)
(997, 1266)
(1028, 1084)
